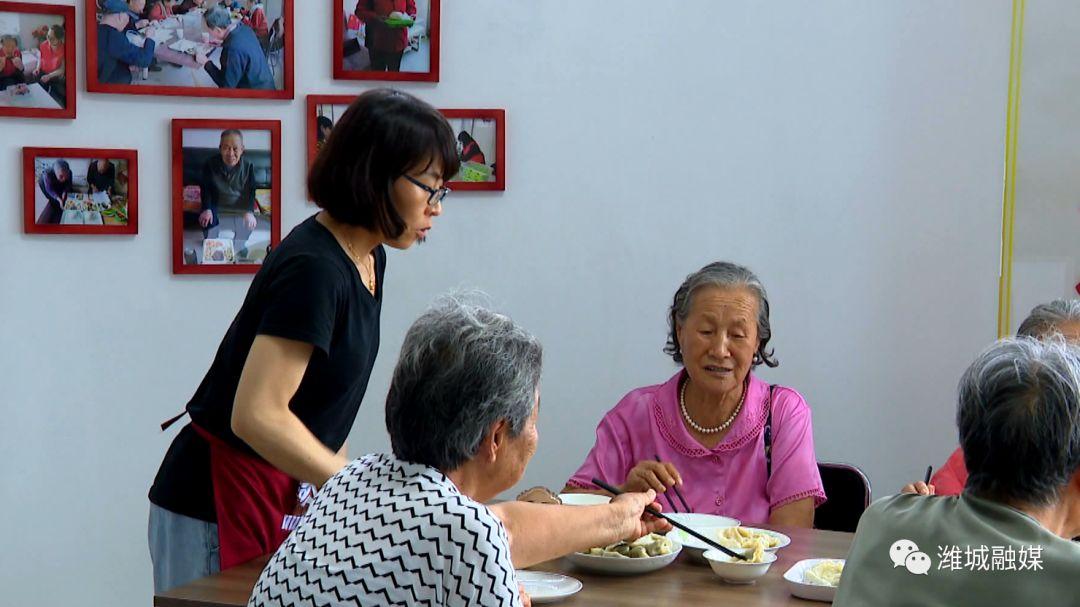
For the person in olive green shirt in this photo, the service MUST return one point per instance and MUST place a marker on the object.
(1003, 540)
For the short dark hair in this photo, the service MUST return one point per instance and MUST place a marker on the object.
(382, 135)
(1019, 420)
(462, 368)
(58, 31)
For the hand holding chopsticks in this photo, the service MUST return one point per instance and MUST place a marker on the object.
(674, 523)
(686, 508)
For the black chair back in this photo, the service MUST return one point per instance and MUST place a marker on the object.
(848, 493)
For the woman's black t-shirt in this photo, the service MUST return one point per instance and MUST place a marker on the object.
(307, 290)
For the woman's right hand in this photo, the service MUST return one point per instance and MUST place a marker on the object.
(918, 488)
(648, 474)
(206, 218)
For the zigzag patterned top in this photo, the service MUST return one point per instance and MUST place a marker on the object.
(387, 532)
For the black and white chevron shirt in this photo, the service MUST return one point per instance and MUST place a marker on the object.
(387, 532)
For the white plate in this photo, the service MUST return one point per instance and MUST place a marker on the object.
(793, 578)
(616, 566)
(705, 524)
(784, 540)
(543, 587)
(583, 499)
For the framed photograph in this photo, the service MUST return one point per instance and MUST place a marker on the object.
(37, 60)
(80, 191)
(226, 194)
(481, 136)
(386, 40)
(197, 48)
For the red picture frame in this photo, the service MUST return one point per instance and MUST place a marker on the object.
(71, 70)
(179, 125)
(341, 72)
(498, 115)
(94, 85)
(30, 190)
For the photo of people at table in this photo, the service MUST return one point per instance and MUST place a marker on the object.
(476, 148)
(227, 44)
(227, 179)
(32, 60)
(81, 191)
(387, 35)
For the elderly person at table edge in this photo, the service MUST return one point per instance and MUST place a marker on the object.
(116, 54)
(1058, 317)
(55, 184)
(412, 528)
(11, 63)
(1019, 419)
(243, 63)
(733, 444)
(101, 176)
(228, 189)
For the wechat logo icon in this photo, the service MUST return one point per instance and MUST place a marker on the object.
(906, 554)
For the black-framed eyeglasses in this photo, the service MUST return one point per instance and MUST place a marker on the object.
(434, 196)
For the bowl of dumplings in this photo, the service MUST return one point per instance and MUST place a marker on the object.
(814, 579)
(648, 553)
(741, 571)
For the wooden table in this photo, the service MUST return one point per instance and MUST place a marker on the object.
(682, 583)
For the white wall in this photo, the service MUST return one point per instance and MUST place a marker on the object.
(1046, 249)
(850, 152)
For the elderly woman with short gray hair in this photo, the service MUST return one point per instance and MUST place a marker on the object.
(1060, 317)
(1018, 412)
(411, 528)
(732, 443)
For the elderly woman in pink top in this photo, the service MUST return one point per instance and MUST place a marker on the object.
(733, 444)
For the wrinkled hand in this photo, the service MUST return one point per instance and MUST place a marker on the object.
(631, 519)
(526, 601)
(206, 218)
(249, 220)
(201, 58)
(918, 488)
(647, 474)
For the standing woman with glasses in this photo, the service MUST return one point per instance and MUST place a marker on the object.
(270, 419)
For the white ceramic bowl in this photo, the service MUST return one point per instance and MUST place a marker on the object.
(583, 499)
(616, 566)
(793, 579)
(735, 571)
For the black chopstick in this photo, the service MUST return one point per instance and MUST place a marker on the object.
(929, 470)
(676, 524)
(677, 493)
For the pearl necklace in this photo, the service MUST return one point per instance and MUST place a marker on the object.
(702, 429)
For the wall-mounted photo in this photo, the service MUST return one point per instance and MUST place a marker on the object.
(226, 194)
(481, 142)
(386, 40)
(481, 137)
(200, 48)
(80, 191)
(37, 60)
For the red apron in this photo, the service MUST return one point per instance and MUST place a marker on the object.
(256, 504)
